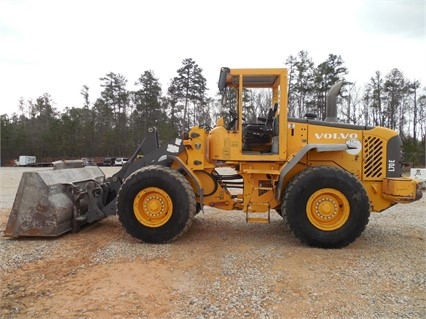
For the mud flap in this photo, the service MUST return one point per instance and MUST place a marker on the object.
(53, 202)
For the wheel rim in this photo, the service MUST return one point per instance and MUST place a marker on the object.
(152, 207)
(328, 209)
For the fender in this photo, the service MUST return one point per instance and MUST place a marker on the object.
(291, 163)
(194, 178)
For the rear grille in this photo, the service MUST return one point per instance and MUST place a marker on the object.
(374, 158)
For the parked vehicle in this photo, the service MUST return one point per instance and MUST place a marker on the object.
(88, 161)
(120, 161)
(25, 160)
(109, 161)
(419, 174)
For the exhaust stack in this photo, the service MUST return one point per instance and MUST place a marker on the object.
(331, 102)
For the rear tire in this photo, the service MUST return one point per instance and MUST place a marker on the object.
(156, 204)
(326, 207)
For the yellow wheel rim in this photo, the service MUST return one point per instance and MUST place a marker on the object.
(328, 209)
(152, 207)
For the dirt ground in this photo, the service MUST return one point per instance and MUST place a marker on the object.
(221, 268)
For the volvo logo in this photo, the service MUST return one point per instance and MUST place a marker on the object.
(336, 136)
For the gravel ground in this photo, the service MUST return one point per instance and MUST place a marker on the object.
(221, 268)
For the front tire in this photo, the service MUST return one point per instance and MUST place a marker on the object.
(326, 207)
(156, 204)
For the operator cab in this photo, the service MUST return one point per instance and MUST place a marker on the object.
(256, 135)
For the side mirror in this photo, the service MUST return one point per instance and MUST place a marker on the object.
(222, 79)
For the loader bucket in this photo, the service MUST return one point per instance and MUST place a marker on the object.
(50, 202)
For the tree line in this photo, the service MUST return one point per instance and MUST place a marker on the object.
(116, 122)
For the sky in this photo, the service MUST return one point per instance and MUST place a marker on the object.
(56, 47)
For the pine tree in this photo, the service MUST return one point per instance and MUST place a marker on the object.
(189, 89)
(302, 82)
(376, 88)
(412, 88)
(394, 89)
(115, 96)
(326, 75)
(147, 100)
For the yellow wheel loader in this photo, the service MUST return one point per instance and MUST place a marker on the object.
(323, 177)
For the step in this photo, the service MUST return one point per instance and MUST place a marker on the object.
(257, 220)
(259, 217)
